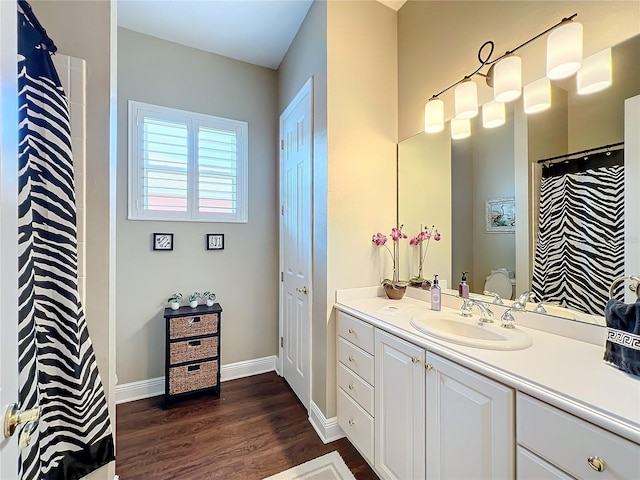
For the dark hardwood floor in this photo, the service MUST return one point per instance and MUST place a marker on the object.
(257, 428)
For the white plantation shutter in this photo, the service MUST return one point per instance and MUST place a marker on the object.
(186, 166)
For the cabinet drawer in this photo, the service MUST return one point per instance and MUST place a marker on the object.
(193, 325)
(191, 350)
(532, 467)
(197, 376)
(357, 360)
(356, 331)
(359, 390)
(356, 424)
(568, 442)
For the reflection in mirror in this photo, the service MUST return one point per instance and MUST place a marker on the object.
(483, 240)
(502, 163)
(424, 198)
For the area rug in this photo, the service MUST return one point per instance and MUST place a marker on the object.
(327, 467)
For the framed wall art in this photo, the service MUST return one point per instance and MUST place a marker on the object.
(163, 241)
(501, 215)
(215, 241)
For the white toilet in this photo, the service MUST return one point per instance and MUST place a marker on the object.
(502, 282)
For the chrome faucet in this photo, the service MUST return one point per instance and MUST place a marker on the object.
(496, 298)
(521, 303)
(540, 307)
(486, 315)
(507, 319)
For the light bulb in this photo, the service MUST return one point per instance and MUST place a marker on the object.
(595, 73)
(434, 116)
(460, 128)
(507, 79)
(564, 50)
(466, 100)
(537, 96)
(493, 114)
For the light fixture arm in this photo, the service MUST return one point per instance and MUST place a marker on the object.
(486, 60)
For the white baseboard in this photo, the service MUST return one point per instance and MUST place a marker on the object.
(128, 392)
(247, 368)
(327, 428)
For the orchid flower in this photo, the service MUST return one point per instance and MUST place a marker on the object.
(426, 234)
(380, 240)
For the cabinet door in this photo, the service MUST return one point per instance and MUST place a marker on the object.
(532, 467)
(470, 424)
(399, 408)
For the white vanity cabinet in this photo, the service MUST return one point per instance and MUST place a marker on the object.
(355, 382)
(554, 439)
(469, 423)
(399, 408)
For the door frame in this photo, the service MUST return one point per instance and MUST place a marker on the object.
(9, 229)
(307, 89)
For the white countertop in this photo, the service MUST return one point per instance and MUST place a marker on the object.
(561, 371)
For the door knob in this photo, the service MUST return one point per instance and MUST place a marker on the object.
(14, 417)
(302, 290)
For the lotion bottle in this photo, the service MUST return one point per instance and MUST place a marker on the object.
(435, 294)
(463, 286)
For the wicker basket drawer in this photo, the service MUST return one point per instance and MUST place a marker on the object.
(182, 327)
(197, 376)
(191, 350)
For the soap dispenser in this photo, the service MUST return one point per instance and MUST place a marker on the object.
(435, 294)
(463, 286)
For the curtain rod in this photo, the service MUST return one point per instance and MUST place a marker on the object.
(47, 42)
(583, 152)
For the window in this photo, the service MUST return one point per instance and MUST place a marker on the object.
(186, 166)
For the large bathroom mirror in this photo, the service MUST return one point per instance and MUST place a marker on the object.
(493, 168)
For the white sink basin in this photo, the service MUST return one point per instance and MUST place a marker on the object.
(455, 328)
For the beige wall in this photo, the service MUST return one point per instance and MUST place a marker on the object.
(355, 135)
(245, 274)
(307, 57)
(438, 42)
(83, 29)
(362, 135)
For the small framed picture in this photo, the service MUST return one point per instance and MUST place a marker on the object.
(501, 215)
(215, 241)
(163, 241)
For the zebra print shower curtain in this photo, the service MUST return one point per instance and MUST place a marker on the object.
(580, 244)
(57, 365)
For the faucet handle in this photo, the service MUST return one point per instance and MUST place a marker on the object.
(496, 298)
(508, 320)
(467, 307)
(540, 307)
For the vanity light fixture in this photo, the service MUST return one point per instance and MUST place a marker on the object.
(564, 56)
(434, 116)
(493, 114)
(460, 128)
(537, 96)
(466, 99)
(564, 50)
(595, 73)
(507, 79)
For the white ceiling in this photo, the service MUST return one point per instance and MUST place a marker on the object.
(253, 31)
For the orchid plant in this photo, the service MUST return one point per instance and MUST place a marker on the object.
(380, 240)
(425, 235)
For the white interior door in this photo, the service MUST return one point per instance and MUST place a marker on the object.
(295, 242)
(8, 231)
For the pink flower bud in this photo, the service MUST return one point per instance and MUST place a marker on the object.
(437, 236)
